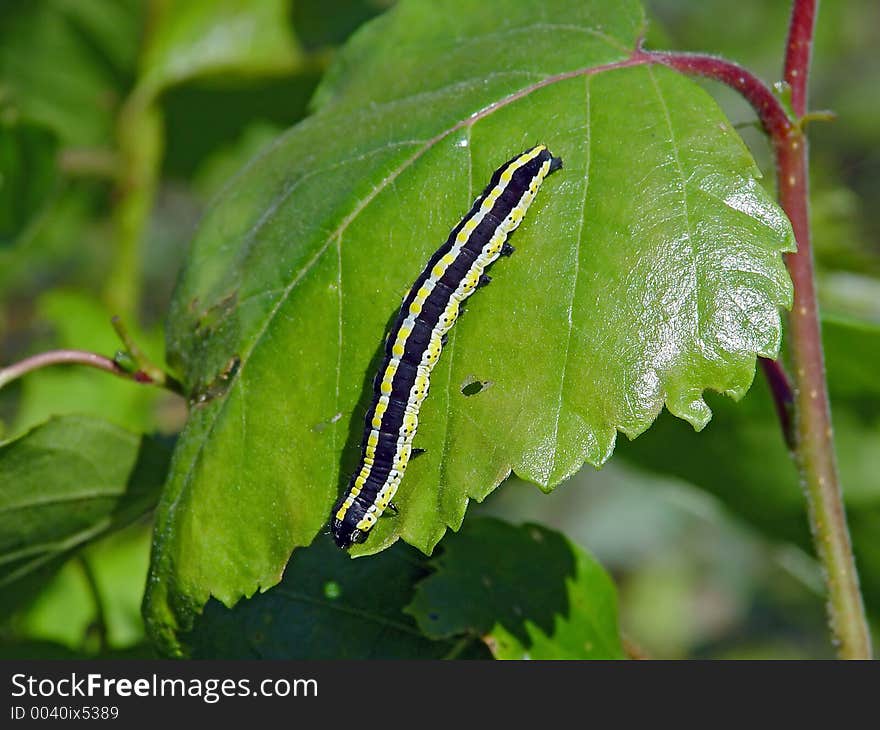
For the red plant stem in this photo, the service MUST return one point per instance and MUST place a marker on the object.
(810, 435)
(59, 357)
(783, 398)
(798, 49)
(80, 357)
(765, 103)
(814, 450)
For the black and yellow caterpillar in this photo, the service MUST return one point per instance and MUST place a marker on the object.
(415, 341)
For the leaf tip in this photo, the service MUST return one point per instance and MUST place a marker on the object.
(690, 406)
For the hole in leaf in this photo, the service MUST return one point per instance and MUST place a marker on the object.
(472, 386)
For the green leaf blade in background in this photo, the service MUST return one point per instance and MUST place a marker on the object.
(92, 603)
(527, 592)
(647, 271)
(327, 607)
(210, 37)
(74, 83)
(67, 482)
(28, 176)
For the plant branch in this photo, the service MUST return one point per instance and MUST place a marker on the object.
(139, 142)
(83, 357)
(783, 398)
(814, 452)
(130, 363)
(814, 448)
(59, 357)
(798, 50)
(100, 623)
(133, 359)
(810, 432)
(766, 104)
(460, 646)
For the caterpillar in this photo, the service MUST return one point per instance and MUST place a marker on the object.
(416, 339)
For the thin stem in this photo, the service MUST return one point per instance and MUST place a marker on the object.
(814, 447)
(456, 650)
(798, 50)
(59, 357)
(100, 614)
(142, 363)
(766, 104)
(783, 398)
(82, 357)
(810, 435)
(140, 142)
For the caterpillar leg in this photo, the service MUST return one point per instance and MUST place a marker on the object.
(485, 279)
(507, 249)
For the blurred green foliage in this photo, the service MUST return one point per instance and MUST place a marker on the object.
(704, 534)
(69, 72)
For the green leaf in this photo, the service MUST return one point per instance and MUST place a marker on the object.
(743, 460)
(326, 607)
(211, 37)
(64, 63)
(647, 271)
(67, 482)
(93, 601)
(27, 176)
(526, 591)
